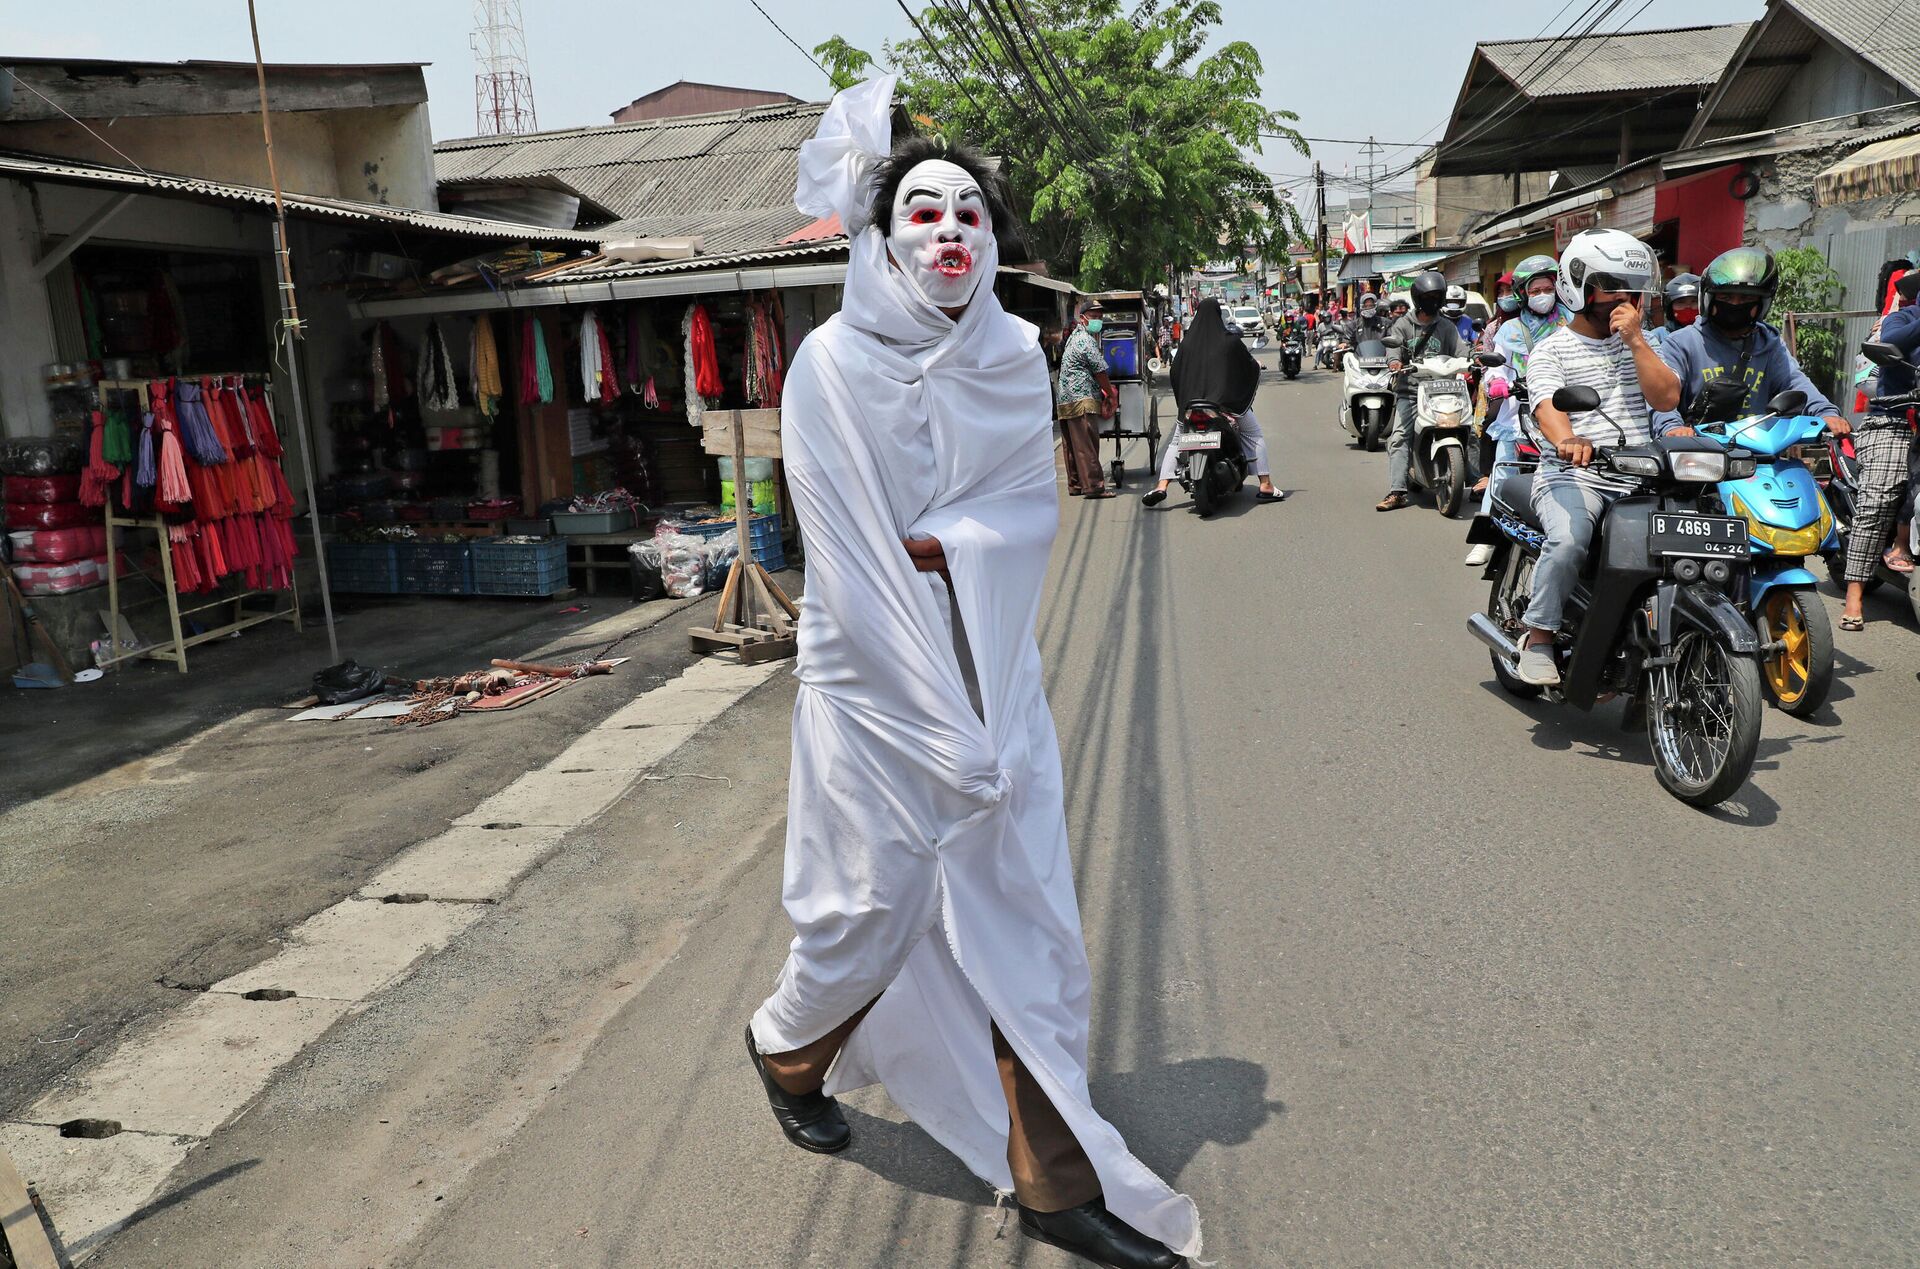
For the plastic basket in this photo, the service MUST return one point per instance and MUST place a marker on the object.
(764, 532)
(362, 568)
(434, 568)
(519, 568)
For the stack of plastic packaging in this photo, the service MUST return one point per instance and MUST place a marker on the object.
(58, 543)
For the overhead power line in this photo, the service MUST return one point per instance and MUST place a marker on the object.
(796, 43)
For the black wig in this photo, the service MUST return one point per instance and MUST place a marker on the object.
(912, 151)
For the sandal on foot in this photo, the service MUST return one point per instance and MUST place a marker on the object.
(1897, 560)
(1153, 497)
(1275, 495)
(1853, 623)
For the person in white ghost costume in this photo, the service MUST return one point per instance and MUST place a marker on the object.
(937, 945)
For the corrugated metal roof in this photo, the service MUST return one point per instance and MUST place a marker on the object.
(756, 228)
(70, 172)
(1884, 32)
(601, 270)
(1625, 62)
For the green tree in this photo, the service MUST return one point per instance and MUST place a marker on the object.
(846, 65)
(1125, 140)
(1808, 284)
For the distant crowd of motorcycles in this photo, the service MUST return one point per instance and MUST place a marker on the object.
(1696, 604)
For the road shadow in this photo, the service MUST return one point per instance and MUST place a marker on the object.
(173, 1198)
(1166, 1113)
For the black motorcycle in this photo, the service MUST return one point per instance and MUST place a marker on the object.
(1292, 348)
(1212, 464)
(1655, 616)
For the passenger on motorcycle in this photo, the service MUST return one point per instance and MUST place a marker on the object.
(1368, 323)
(1887, 448)
(1535, 281)
(1507, 304)
(1211, 365)
(1423, 333)
(1603, 275)
(1681, 302)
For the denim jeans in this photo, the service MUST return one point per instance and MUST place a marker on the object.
(1399, 445)
(1568, 509)
(1505, 450)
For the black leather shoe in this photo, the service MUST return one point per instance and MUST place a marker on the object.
(811, 1121)
(1096, 1235)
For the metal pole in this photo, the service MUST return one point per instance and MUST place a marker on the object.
(1320, 193)
(290, 332)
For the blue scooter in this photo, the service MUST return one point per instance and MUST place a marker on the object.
(1788, 521)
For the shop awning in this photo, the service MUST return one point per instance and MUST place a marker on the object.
(1874, 171)
(1385, 264)
(1038, 279)
(1542, 212)
(40, 167)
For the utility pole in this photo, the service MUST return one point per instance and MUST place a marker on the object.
(1370, 150)
(1320, 195)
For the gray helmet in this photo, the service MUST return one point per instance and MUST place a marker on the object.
(1429, 290)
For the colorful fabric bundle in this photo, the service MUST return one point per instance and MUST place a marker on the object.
(485, 364)
(762, 369)
(436, 382)
(536, 377)
(196, 427)
(99, 474)
(706, 360)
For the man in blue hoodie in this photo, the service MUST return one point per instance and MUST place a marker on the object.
(1733, 339)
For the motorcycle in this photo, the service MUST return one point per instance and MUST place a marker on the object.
(1787, 521)
(1366, 399)
(1443, 414)
(1292, 349)
(1212, 464)
(1843, 490)
(1327, 353)
(1656, 614)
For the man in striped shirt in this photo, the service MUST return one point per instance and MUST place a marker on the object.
(1603, 280)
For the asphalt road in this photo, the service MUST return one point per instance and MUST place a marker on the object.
(1389, 969)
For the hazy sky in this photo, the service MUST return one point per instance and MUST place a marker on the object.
(1389, 69)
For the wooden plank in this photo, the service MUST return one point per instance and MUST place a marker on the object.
(762, 428)
(20, 1223)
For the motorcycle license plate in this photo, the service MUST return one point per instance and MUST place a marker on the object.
(1688, 534)
(1198, 440)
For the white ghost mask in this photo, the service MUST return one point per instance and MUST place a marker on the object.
(941, 232)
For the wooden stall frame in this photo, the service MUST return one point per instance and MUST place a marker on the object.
(175, 648)
(755, 618)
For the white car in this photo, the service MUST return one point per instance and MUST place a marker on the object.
(1247, 317)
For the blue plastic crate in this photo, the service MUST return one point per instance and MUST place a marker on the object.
(362, 568)
(765, 535)
(434, 568)
(519, 568)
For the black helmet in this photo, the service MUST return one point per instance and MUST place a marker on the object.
(1429, 291)
(1743, 273)
(1683, 289)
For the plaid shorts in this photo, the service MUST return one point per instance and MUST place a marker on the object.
(1883, 447)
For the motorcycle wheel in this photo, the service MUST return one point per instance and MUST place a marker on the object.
(1800, 675)
(1449, 482)
(1505, 603)
(1375, 431)
(1203, 496)
(1705, 737)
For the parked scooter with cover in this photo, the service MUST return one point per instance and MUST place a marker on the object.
(1657, 615)
(1366, 398)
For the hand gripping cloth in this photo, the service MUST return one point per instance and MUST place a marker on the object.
(926, 859)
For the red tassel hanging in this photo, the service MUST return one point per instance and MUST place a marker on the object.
(265, 434)
(706, 362)
(100, 474)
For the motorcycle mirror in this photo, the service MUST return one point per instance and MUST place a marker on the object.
(1882, 354)
(1573, 398)
(1790, 403)
(1490, 359)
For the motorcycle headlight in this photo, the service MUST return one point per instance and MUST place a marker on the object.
(1636, 464)
(1741, 466)
(1700, 468)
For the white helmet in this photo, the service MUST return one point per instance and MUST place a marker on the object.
(1610, 258)
(1456, 302)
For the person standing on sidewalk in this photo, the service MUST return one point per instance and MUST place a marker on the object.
(937, 944)
(1086, 396)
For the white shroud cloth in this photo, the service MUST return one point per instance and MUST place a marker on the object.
(926, 844)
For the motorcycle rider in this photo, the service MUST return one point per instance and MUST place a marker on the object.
(1455, 311)
(1369, 322)
(1681, 299)
(1602, 277)
(1735, 293)
(1212, 365)
(1422, 333)
(1535, 283)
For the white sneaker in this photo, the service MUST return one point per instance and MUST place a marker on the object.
(1537, 666)
(1479, 555)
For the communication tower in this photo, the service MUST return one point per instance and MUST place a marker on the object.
(503, 89)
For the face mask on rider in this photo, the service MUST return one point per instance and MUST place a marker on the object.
(1730, 316)
(1509, 304)
(1542, 303)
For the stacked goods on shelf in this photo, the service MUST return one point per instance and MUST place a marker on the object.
(59, 545)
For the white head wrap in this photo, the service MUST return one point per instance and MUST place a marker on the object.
(836, 166)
